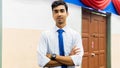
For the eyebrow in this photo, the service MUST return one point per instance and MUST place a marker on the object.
(57, 9)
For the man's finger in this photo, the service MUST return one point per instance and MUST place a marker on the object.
(76, 49)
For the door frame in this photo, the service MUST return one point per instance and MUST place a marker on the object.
(108, 40)
(108, 33)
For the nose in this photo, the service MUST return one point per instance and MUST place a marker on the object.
(59, 13)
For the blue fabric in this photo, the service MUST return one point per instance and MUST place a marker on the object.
(61, 44)
(110, 8)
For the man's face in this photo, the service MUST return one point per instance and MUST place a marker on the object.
(60, 14)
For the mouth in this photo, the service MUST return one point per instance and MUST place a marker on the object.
(59, 18)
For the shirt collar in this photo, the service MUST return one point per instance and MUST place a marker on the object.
(64, 28)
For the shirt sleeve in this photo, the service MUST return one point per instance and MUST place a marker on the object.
(42, 50)
(77, 59)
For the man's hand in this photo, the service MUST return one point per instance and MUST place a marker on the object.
(52, 63)
(48, 55)
(74, 51)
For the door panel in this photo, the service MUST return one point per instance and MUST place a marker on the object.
(94, 40)
(85, 39)
(85, 62)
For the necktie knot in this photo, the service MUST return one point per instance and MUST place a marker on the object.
(60, 31)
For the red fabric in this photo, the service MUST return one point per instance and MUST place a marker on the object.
(117, 5)
(97, 4)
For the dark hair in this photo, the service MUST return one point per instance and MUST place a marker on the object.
(59, 2)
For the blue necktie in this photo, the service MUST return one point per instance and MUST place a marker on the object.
(61, 44)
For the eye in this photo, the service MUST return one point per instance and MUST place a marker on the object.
(62, 10)
(55, 11)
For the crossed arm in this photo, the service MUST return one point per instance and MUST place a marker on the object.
(62, 60)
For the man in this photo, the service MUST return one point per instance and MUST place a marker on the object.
(60, 47)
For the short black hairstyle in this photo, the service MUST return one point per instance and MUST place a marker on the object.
(59, 2)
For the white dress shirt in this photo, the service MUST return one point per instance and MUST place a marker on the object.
(49, 44)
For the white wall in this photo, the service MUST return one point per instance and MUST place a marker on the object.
(115, 41)
(27, 14)
(115, 24)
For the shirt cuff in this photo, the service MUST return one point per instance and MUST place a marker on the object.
(76, 59)
(43, 63)
(43, 60)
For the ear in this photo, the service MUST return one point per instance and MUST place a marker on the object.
(52, 15)
(67, 13)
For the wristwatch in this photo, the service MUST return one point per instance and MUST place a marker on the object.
(53, 56)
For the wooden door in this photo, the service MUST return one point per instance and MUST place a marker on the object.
(94, 40)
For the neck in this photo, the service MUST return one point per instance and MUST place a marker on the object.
(60, 25)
